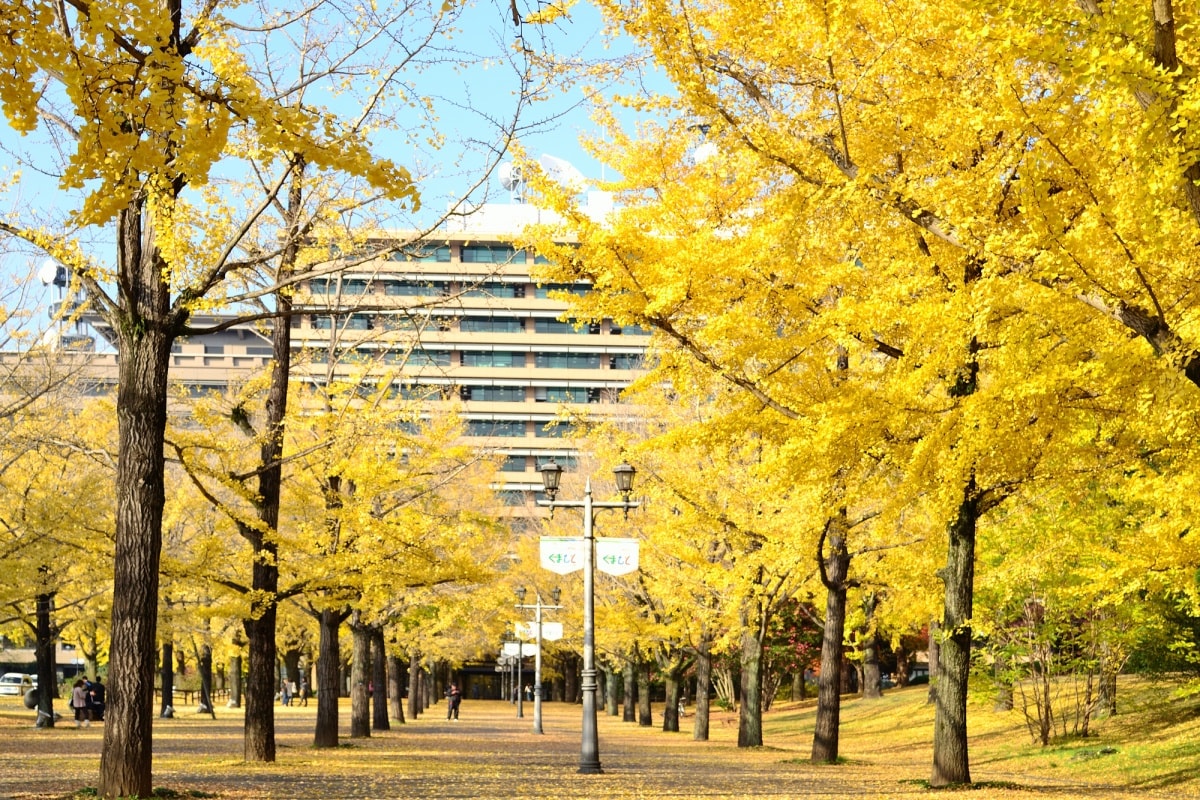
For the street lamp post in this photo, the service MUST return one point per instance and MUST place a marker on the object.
(589, 755)
(538, 607)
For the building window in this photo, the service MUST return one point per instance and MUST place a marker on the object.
(543, 291)
(559, 326)
(625, 361)
(495, 427)
(437, 255)
(488, 358)
(491, 325)
(494, 289)
(513, 464)
(628, 330)
(566, 394)
(490, 254)
(552, 430)
(494, 394)
(415, 288)
(568, 463)
(567, 360)
(429, 358)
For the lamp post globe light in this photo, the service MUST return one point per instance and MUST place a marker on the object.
(538, 607)
(589, 754)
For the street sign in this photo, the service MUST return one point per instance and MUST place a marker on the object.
(617, 556)
(515, 649)
(552, 631)
(562, 554)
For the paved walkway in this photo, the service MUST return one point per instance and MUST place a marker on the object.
(488, 754)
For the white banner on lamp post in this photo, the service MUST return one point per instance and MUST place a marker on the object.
(617, 556)
(562, 554)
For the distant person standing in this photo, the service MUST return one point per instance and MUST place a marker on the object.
(79, 703)
(285, 693)
(304, 691)
(455, 699)
(96, 691)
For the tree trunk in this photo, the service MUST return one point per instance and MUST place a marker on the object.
(903, 664)
(414, 686)
(44, 653)
(235, 681)
(935, 656)
(379, 682)
(750, 733)
(167, 680)
(360, 676)
(703, 690)
(395, 681)
(872, 682)
(328, 673)
(671, 708)
(645, 712)
(259, 729)
(951, 764)
(146, 330)
(613, 683)
(204, 666)
(630, 711)
(835, 569)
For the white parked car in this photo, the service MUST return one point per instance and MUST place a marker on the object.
(15, 684)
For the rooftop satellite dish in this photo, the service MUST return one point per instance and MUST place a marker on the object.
(47, 272)
(563, 172)
(510, 175)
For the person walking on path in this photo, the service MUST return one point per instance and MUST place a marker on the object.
(79, 703)
(304, 691)
(97, 694)
(455, 698)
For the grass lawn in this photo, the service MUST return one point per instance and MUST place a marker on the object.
(1150, 749)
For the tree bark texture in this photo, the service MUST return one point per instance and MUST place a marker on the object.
(872, 682)
(750, 733)
(671, 706)
(360, 676)
(145, 330)
(935, 657)
(645, 712)
(395, 680)
(414, 686)
(835, 569)
(328, 672)
(703, 690)
(166, 679)
(379, 682)
(951, 765)
(44, 654)
(630, 673)
(612, 681)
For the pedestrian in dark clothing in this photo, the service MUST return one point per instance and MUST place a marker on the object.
(455, 698)
(97, 695)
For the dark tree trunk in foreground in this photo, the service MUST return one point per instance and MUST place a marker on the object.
(166, 677)
(935, 657)
(44, 653)
(204, 667)
(872, 682)
(671, 706)
(328, 673)
(834, 569)
(951, 764)
(360, 676)
(750, 711)
(611, 680)
(395, 680)
(146, 328)
(645, 712)
(703, 690)
(379, 681)
(414, 686)
(259, 731)
(630, 710)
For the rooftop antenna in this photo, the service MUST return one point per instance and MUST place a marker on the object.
(513, 181)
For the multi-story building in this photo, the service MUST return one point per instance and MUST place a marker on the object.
(461, 319)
